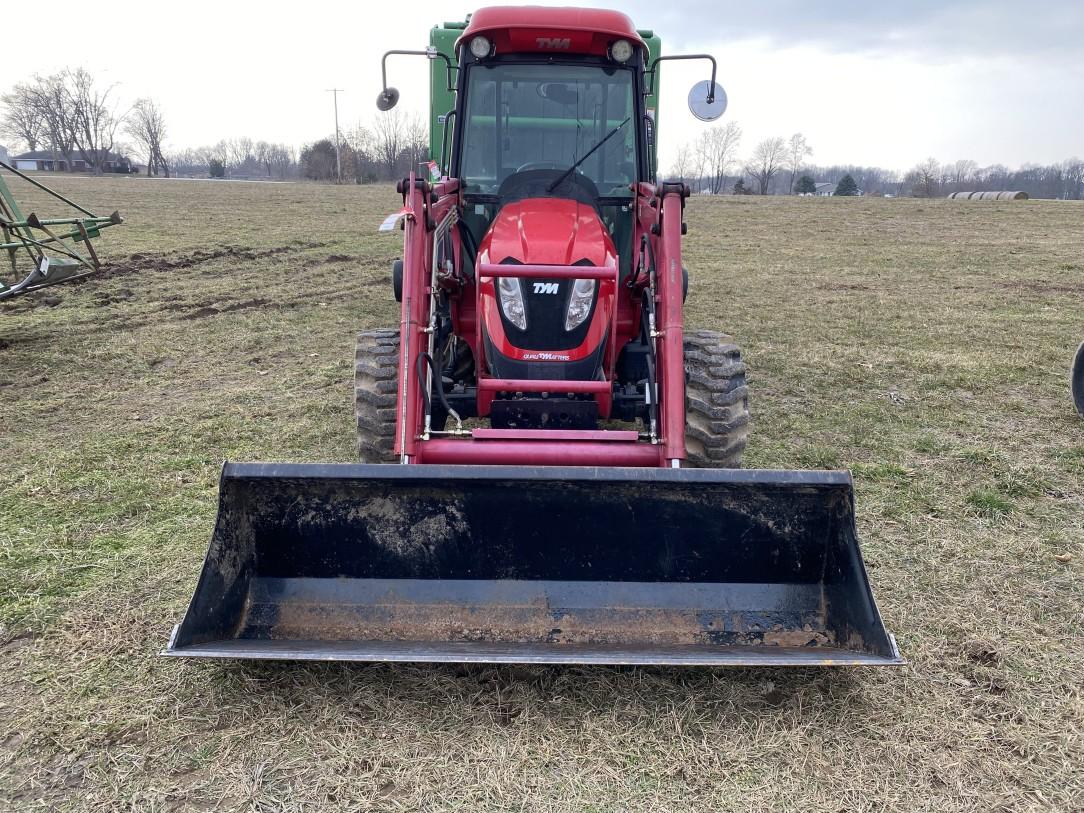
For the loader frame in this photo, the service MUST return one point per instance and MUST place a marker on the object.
(429, 212)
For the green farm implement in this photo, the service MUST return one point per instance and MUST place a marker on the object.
(45, 251)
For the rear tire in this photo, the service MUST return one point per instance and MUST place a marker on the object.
(376, 376)
(716, 401)
(1076, 380)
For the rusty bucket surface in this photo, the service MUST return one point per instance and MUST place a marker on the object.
(534, 565)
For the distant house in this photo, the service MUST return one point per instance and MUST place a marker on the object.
(48, 161)
(3, 153)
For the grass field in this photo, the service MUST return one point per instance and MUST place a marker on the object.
(922, 344)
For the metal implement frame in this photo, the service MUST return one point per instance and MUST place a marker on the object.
(51, 250)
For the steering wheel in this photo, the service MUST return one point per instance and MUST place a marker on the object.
(537, 165)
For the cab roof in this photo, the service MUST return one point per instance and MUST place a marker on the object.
(544, 29)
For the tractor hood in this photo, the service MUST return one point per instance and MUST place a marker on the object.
(549, 231)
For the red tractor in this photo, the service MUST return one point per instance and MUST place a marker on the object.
(541, 281)
(541, 289)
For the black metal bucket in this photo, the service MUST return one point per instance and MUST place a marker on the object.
(534, 565)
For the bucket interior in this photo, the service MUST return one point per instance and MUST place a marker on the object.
(534, 565)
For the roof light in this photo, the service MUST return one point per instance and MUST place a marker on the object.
(621, 51)
(480, 47)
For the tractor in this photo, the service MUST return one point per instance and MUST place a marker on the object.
(549, 458)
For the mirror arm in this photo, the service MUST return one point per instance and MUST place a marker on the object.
(449, 120)
(657, 60)
(430, 52)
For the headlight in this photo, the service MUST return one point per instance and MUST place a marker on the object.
(621, 51)
(512, 301)
(579, 304)
(480, 47)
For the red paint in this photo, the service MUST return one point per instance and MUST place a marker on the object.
(540, 232)
(549, 231)
(671, 327)
(414, 312)
(533, 29)
(537, 453)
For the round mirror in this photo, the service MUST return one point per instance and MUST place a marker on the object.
(388, 98)
(700, 105)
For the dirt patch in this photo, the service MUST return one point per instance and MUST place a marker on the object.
(18, 642)
(138, 263)
(207, 311)
(1042, 286)
(103, 299)
(841, 286)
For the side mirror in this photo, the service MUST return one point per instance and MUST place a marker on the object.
(707, 100)
(388, 98)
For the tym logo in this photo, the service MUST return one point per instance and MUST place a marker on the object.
(554, 42)
(545, 287)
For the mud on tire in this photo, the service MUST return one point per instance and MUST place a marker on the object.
(716, 400)
(376, 369)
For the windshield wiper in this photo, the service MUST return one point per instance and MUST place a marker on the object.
(586, 155)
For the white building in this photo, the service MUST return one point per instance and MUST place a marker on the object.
(48, 161)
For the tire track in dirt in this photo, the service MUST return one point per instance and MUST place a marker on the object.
(138, 263)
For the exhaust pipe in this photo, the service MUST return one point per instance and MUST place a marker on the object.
(534, 565)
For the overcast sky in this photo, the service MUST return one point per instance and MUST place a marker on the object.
(885, 84)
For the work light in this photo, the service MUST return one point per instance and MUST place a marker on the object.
(621, 51)
(480, 47)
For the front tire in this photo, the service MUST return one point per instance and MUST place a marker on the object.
(376, 376)
(1076, 379)
(716, 401)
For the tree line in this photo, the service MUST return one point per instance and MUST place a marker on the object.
(388, 148)
(69, 113)
(712, 164)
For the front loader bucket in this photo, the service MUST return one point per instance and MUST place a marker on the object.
(534, 565)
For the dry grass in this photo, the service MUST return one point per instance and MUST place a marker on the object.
(924, 345)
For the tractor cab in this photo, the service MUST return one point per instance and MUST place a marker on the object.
(549, 137)
(561, 102)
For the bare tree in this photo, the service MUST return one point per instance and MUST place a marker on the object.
(239, 151)
(798, 150)
(49, 96)
(282, 159)
(22, 120)
(718, 147)
(219, 152)
(388, 139)
(1073, 176)
(147, 126)
(417, 141)
(962, 172)
(766, 162)
(95, 117)
(683, 163)
(926, 178)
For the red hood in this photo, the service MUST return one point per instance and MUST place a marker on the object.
(548, 231)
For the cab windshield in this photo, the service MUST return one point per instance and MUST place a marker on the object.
(521, 117)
